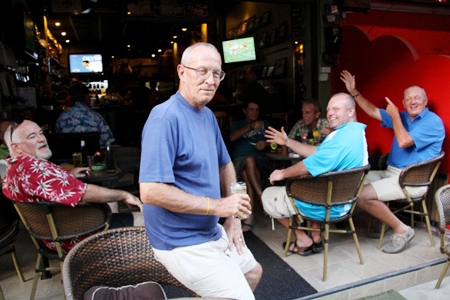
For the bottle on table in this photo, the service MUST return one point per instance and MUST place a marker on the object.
(110, 166)
(83, 151)
(298, 137)
(310, 137)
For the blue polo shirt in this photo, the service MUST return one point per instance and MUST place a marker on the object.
(428, 132)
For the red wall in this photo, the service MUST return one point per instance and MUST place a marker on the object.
(389, 51)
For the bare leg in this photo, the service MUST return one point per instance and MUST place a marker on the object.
(254, 276)
(368, 201)
(254, 176)
(303, 240)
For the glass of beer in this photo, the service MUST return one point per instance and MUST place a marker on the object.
(239, 188)
(76, 157)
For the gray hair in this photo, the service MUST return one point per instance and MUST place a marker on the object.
(424, 95)
(314, 102)
(187, 53)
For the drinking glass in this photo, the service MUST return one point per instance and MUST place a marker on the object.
(76, 157)
(239, 188)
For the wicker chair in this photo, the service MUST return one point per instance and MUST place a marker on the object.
(328, 190)
(9, 229)
(113, 258)
(415, 175)
(56, 222)
(442, 199)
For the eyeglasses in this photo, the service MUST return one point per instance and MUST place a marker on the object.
(203, 73)
(14, 125)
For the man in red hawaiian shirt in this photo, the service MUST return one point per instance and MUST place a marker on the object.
(30, 177)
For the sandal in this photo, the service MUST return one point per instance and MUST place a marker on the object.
(305, 252)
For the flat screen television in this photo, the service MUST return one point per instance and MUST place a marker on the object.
(85, 63)
(239, 50)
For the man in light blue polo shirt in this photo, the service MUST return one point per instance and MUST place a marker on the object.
(344, 148)
(418, 136)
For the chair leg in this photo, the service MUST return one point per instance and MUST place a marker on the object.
(17, 266)
(36, 277)
(355, 239)
(444, 271)
(288, 239)
(427, 220)
(383, 230)
(2, 297)
(326, 236)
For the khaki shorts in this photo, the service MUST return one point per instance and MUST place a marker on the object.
(386, 185)
(277, 203)
(210, 269)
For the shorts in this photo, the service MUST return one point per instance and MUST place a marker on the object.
(262, 163)
(385, 184)
(278, 205)
(210, 269)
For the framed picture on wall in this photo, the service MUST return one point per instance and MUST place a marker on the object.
(251, 23)
(273, 36)
(257, 22)
(280, 66)
(282, 32)
(270, 71)
(264, 72)
(262, 39)
(265, 18)
(243, 27)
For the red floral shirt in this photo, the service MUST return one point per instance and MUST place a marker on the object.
(31, 179)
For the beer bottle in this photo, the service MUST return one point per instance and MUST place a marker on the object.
(110, 164)
(298, 137)
(83, 152)
(310, 137)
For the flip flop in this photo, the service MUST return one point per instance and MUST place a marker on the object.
(306, 251)
(250, 226)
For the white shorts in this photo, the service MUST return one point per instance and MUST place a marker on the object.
(210, 269)
(385, 183)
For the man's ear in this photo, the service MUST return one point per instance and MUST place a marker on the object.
(16, 148)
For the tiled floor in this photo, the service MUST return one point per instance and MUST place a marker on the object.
(419, 266)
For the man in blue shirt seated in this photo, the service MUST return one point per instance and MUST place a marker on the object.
(344, 148)
(418, 136)
(80, 118)
(249, 159)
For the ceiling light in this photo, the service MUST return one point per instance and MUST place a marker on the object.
(153, 55)
(171, 42)
(128, 46)
(184, 29)
(63, 33)
(174, 36)
(57, 24)
(67, 41)
(159, 50)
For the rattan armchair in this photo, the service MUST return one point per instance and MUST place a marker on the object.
(113, 258)
(416, 175)
(327, 190)
(9, 230)
(442, 199)
(56, 222)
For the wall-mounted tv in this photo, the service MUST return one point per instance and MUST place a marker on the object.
(86, 63)
(239, 50)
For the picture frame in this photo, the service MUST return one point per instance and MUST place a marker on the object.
(262, 39)
(280, 67)
(273, 36)
(265, 18)
(282, 32)
(251, 23)
(257, 22)
(264, 71)
(270, 71)
(243, 27)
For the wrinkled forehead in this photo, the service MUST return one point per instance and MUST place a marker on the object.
(413, 91)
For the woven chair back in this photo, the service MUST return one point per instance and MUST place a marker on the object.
(70, 222)
(442, 199)
(113, 258)
(337, 188)
(420, 174)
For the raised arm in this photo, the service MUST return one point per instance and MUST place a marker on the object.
(364, 103)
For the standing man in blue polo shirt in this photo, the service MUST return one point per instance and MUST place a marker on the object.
(418, 136)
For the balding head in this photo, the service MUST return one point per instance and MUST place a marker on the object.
(26, 139)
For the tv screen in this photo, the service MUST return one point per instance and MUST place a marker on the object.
(85, 63)
(239, 50)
